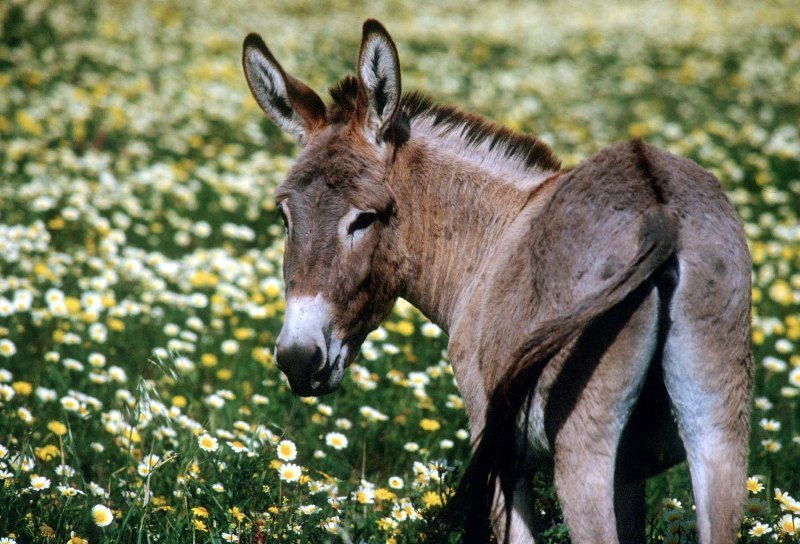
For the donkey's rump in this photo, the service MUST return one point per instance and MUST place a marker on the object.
(591, 227)
(592, 224)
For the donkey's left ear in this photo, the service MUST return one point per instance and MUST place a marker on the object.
(289, 102)
(379, 78)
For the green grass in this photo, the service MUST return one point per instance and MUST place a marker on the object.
(140, 254)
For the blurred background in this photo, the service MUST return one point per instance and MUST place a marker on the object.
(140, 285)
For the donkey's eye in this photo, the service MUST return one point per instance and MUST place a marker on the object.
(283, 216)
(362, 221)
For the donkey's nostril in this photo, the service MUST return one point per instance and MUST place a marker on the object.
(316, 361)
(299, 363)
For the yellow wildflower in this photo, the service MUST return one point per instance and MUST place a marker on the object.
(406, 328)
(431, 499)
(200, 511)
(430, 424)
(47, 453)
(387, 524)
(73, 305)
(57, 428)
(75, 539)
(116, 324)
(22, 388)
(208, 360)
(30, 125)
(383, 494)
(244, 333)
(236, 514)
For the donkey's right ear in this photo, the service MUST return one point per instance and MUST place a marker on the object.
(289, 102)
(379, 77)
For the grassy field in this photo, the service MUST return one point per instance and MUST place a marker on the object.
(140, 251)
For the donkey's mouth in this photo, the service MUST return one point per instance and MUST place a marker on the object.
(322, 375)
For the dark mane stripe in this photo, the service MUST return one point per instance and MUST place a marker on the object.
(476, 130)
(345, 99)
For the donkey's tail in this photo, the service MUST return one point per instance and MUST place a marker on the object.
(496, 455)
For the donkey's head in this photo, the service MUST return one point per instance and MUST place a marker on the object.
(342, 264)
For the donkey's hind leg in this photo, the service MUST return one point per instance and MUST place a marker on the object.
(589, 406)
(708, 374)
(649, 445)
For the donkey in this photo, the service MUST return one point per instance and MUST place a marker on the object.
(597, 317)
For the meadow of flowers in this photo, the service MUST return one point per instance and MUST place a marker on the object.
(140, 251)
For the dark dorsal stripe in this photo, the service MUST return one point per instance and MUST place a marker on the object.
(530, 152)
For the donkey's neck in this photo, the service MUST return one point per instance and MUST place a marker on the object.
(456, 210)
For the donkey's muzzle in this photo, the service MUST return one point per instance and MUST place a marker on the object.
(301, 364)
(306, 350)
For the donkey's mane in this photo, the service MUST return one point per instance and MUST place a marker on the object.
(522, 153)
(345, 97)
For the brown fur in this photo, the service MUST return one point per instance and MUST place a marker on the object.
(582, 306)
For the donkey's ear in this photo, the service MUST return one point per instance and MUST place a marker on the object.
(379, 77)
(290, 103)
